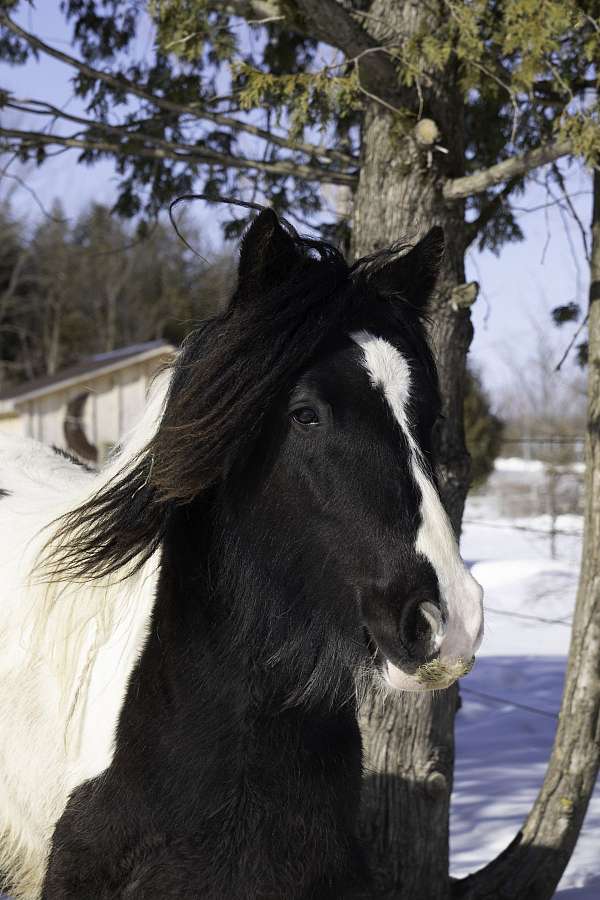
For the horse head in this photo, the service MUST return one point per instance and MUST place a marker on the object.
(302, 419)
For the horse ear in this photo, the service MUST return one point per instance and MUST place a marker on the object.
(268, 253)
(413, 276)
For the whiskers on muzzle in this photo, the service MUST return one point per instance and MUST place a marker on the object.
(440, 674)
(434, 675)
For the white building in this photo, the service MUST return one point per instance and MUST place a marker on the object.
(86, 408)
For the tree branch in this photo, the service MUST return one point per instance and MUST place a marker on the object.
(563, 189)
(179, 153)
(473, 229)
(332, 24)
(254, 9)
(41, 108)
(121, 83)
(514, 167)
(550, 90)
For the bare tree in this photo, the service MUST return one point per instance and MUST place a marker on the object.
(531, 867)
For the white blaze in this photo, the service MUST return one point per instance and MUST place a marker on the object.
(461, 595)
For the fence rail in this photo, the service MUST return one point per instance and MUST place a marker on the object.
(547, 439)
(547, 445)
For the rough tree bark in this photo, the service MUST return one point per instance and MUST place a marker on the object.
(409, 742)
(531, 867)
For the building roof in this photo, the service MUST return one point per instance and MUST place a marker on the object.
(100, 364)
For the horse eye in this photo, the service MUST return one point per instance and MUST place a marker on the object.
(305, 415)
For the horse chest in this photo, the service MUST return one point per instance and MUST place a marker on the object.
(197, 806)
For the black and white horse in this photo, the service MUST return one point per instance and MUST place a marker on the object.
(182, 635)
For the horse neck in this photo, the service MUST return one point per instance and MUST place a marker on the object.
(241, 728)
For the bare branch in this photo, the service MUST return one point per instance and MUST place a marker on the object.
(178, 152)
(123, 84)
(43, 108)
(514, 167)
(555, 202)
(257, 9)
(266, 21)
(4, 173)
(582, 229)
(571, 343)
(473, 229)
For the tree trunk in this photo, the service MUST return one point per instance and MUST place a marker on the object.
(409, 741)
(531, 867)
(54, 330)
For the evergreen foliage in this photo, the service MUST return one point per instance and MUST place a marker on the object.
(483, 430)
(218, 96)
(68, 291)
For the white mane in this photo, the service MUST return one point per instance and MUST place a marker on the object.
(66, 650)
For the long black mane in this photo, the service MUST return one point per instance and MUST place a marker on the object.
(228, 374)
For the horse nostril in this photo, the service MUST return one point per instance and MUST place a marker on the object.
(422, 628)
(433, 617)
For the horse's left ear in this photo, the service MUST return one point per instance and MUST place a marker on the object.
(268, 254)
(413, 276)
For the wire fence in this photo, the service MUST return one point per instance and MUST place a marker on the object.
(538, 475)
(493, 698)
(528, 616)
(547, 446)
(531, 448)
(546, 532)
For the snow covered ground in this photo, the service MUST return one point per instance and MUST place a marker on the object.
(502, 749)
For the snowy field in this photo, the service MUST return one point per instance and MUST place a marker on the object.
(502, 749)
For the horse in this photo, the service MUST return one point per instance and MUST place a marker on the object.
(185, 636)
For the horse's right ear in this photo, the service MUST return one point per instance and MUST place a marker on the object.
(412, 275)
(268, 253)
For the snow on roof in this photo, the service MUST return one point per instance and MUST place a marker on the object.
(99, 364)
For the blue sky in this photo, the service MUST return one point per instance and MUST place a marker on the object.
(519, 288)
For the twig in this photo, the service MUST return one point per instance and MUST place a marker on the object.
(572, 342)
(265, 21)
(516, 615)
(27, 187)
(561, 183)
(531, 209)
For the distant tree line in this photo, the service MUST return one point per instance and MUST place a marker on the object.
(73, 289)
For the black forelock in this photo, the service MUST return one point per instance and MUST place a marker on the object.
(233, 368)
